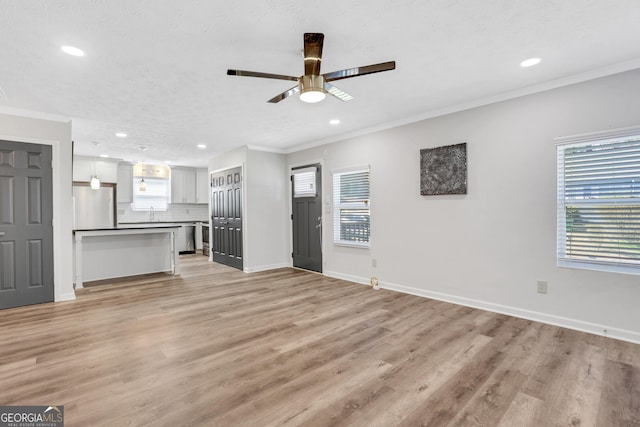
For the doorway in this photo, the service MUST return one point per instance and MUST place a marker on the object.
(26, 230)
(226, 217)
(306, 217)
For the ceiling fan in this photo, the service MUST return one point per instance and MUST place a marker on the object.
(313, 86)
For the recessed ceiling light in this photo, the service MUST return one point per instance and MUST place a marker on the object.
(334, 122)
(530, 62)
(167, 161)
(74, 51)
(201, 146)
(121, 134)
(104, 155)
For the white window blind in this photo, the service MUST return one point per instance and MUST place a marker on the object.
(351, 208)
(304, 182)
(599, 204)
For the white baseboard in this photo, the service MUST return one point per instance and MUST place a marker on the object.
(347, 277)
(265, 267)
(68, 296)
(551, 319)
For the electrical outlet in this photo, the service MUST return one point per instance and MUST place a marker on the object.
(542, 287)
(374, 263)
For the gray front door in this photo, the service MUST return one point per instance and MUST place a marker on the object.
(306, 190)
(226, 217)
(26, 231)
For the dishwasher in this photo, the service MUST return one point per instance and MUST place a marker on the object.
(186, 239)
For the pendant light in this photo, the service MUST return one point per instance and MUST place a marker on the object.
(94, 182)
(143, 185)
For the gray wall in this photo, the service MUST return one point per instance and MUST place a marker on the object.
(490, 247)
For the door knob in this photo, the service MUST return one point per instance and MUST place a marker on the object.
(2, 233)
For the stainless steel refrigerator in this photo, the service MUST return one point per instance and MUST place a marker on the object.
(94, 209)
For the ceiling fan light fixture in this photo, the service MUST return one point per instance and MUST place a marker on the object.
(312, 96)
(312, 88)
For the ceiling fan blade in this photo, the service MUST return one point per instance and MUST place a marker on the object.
(312, 53)
(338, 93)
(259, 74)
(359, 71)
(287, 93)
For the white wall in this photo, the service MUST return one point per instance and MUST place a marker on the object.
(266, 211)
(487, 248)
(56, 133)
(227, 160)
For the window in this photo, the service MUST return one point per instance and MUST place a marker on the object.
(304, 182)
(157, 193)
(351, 213)
(599, 201)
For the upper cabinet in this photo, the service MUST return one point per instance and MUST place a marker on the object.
(125, 183)
(189, 185)
(183, 185)
(85, 167)
(202, 185)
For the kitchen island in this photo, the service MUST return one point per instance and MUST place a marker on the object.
(125, 251)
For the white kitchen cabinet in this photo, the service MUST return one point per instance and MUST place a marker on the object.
(85, 167)
(183, 185)
(202, 186)
(125, 183)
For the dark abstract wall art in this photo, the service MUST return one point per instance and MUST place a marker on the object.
(443, 170)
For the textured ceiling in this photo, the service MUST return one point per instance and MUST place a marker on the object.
(156, 69)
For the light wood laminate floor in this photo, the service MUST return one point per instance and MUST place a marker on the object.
(218, 347)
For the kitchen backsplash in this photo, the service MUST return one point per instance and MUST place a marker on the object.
(175, 213)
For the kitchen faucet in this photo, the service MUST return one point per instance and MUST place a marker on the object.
(152, 214)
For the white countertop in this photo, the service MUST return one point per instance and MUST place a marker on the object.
(159, 224)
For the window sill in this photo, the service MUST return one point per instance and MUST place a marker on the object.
(353, 245)
(606, 268)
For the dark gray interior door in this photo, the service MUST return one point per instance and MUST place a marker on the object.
(26, 231)
(306, 190)
(226, 217)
